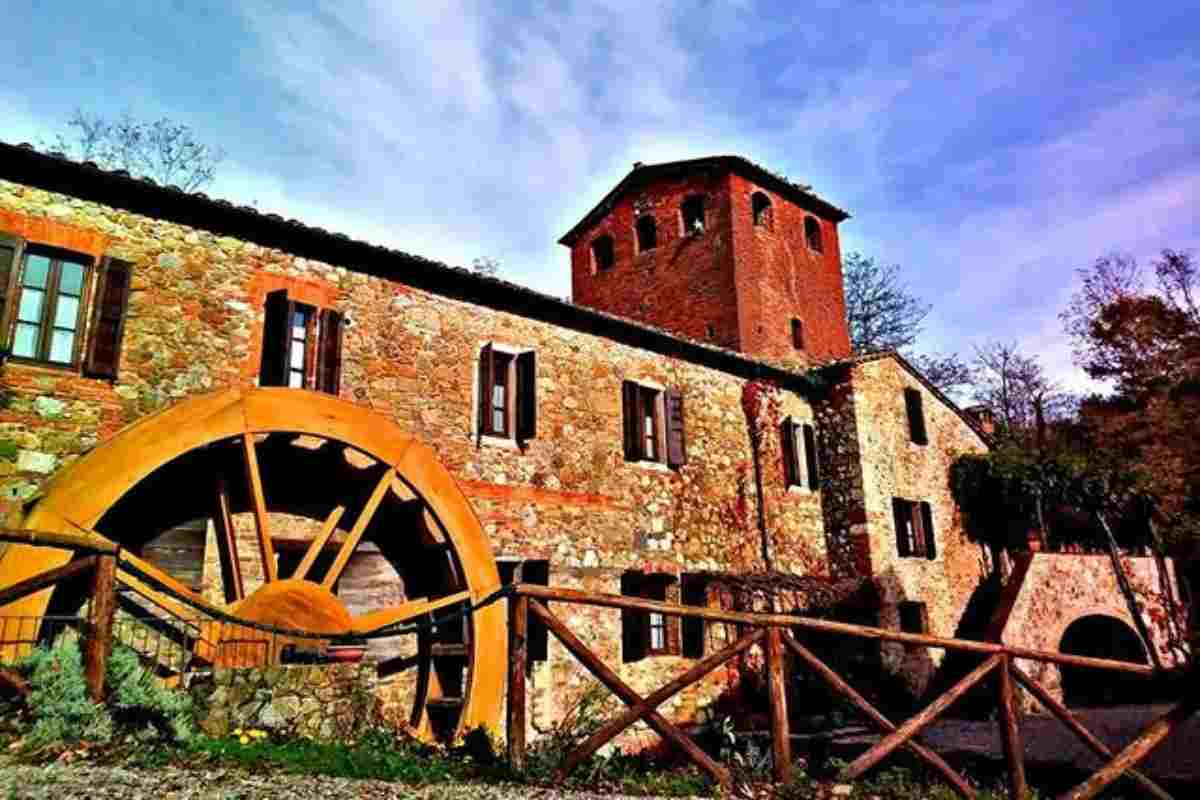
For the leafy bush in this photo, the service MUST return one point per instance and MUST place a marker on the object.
(62, 713)
(58, 701)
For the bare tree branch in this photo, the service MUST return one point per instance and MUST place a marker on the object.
(882, 313)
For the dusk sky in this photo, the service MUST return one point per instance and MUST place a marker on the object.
(990, 149)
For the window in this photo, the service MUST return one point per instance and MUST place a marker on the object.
(797, 334)
(800, 463)
(537, 571)
(654, 424)
(48, 302)
(302, 345)
(603, 256)
(760, 206)
(648, 633)
(812, 234)
(915, 408)
(299, 335)
(693, 591)
(914, 529)
(692, 214)
(914, 617)
(647, 234)
(507, 393)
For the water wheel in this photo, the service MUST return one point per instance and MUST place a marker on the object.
(262, 457)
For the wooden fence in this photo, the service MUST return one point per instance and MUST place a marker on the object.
(774, 633)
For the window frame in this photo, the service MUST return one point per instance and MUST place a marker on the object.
(918, 537)
(310, 314)
(762, 210)
(914, 410)
(801, 457)
(798, 334)
(52, 293)
(654, 397)
(511, 357)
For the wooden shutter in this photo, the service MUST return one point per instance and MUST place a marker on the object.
(527, 395)
(634, 624)
(486, 381)
(329, 352)
(8, 262)
(631, 397)
(914, 405)
(107, 326)
(810, 458)
(676, 436)
(787, 435)
(927, 530)
(902, 517)
(276, 344)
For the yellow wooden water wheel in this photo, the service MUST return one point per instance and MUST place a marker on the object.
(266, 454)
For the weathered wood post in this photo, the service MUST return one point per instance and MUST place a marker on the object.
(97, 643)
(781, 743)
(1010, 732)
(518, 626)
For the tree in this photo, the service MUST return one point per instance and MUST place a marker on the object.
(882, 313)
(1024, 400)
(165, 151)
(947, 372)
(486, 265)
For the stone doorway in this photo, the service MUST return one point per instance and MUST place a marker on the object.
(1102, 636)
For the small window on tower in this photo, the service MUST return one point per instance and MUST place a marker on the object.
(602, 253)
(761, 206)
(647, 234)
(812, 234)
(692, 212)
(797, 334)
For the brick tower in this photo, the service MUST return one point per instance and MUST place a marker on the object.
(719, 250)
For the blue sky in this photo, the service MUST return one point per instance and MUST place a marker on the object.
(989, 148)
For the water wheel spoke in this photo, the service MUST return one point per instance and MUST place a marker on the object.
(318, 544)
(231, 567)
(386, 617)
(261, 523)
(360, 526)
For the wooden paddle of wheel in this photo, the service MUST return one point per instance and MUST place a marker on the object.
(270, 451)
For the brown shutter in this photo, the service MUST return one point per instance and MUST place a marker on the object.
(487, 379)
(527, 395)
(329, 352)
(914, 405)
(693, 591)
(810, 457)
(790, 462)
(901, 516)
(630, 401)
(276, 344)
(634, 624)
(107, 326)
(927, 529)
(676, 435)
(8, 260)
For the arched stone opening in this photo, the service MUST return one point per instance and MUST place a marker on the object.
(1102, 636)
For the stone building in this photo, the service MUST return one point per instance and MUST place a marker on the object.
(604, 443)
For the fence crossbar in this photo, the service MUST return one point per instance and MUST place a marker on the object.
(610, 679)
(835, 682)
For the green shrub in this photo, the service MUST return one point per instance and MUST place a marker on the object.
(63, 714)
(58, 700)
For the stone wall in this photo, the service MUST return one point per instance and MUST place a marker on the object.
(336, 701)
(1049, 592)
(893, 466)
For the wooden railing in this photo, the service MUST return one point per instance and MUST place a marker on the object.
(773, 632)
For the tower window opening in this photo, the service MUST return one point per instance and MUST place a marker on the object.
(603, 256)
(761, 209)
(812, 234)
(692, 212)
(647, 234)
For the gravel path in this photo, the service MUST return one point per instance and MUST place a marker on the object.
(172, 783)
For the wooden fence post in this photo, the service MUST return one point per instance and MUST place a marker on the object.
(781, 743)
(518, 626)
(97, 644)
(1010, 732)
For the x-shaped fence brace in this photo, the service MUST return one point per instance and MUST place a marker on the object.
(771, 631)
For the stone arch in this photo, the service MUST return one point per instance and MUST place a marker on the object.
(1101, 635)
